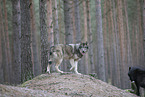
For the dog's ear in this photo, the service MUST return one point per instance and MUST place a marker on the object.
(129, 68)
(86, 43)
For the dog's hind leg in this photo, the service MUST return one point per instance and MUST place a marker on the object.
(57, 66)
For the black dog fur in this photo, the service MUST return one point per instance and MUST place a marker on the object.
(138, 76)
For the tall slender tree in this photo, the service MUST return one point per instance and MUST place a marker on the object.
(144, 23)
(50, 23)
(90, 38)
(128, 42)
(36, 62)
(16, 65)
(85, 37)
(77, 21)
(122, 39)
(43, 35)
(1, 66)
(78, 34)
(6, 73)
(118, 81)
(55, 21)
(100, 45)
(140, 32)
(105, 37)
(7, 38)
(68, 22)
(68, 26)
(26, 61)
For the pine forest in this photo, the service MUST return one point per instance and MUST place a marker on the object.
(114, 30)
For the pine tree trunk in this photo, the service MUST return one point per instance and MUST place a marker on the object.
(68, 22)
(4, 51)
(50, 23)
(105, 38)
(36, 61)
(113, 63)
(16, 65)
(116, 37)
(55, 21)
(73, 21)
(109, 47)
(1, 65)
(61, 23)
(100, 44)
(7, 39)
(77, 21)
(26, 62)
(68, 28)
(140, 33)
(128, 52)
(90, 39)
(78, 32)
(43, 35)
(122, 40)
(85, 62)
(144, 24)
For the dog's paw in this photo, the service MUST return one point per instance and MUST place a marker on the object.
(78, 73)
(48, 71)
(61, 72)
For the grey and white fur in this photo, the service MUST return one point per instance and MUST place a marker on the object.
(71, 52)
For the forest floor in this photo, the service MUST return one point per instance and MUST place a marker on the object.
(63, 85)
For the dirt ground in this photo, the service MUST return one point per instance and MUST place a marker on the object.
(63, 85)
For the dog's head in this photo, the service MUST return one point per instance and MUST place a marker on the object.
(134, 72)
(83, 48)
(131, 73)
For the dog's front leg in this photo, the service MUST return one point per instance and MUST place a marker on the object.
(76, 67)
(48, 69)
(72, 64)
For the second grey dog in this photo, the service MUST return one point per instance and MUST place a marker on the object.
(71, 52)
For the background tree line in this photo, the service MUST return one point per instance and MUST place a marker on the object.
(114, 30)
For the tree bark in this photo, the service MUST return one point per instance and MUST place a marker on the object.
(50, 23)
(43, 35)
(7, 39)
(116, 37)
(100, 44)
(1, 58)
(36, 61)
(90, 39)
(129, 54)
(77, 21)
(68, 22)
(6, 73)
(68, 27)
(122, 41)
(144, 24)
(16, 64)
(55, 21)
(26, 62)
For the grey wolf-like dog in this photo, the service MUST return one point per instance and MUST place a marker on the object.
(71, 52)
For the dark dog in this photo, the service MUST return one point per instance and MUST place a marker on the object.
(137, 75)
